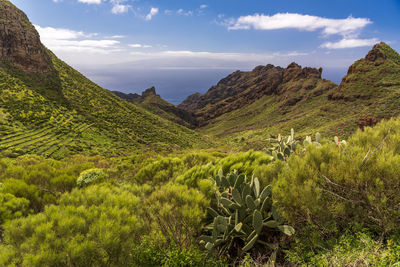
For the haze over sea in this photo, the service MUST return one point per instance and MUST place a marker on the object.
(174, 85)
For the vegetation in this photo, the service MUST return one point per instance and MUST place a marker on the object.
(69, 114)
(88, 179)
(342, 198)
(244, 219)
(369, 93)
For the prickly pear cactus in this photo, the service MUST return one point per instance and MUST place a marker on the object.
(281, 149)
(243, 216)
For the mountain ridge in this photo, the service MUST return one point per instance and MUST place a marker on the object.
(53, 110)
(243, 88)
(152, 102)
(300, 99)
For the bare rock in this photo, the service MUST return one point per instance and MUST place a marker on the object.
(20, 42)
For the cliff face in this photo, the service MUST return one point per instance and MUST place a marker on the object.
(291, 84)
(19, 41)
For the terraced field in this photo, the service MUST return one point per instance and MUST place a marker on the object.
(47, 139)
(76, 116)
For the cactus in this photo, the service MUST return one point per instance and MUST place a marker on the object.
(282, 149)
(309, 141)
(244, 215)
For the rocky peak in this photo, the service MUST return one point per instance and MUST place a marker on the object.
(293, 65)
(295, 72)
(20, 42)
(377, 56)
(376, 53)
(149, 92)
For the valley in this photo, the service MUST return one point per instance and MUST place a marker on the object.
(270, 167)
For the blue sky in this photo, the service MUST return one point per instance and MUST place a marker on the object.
(182, 47)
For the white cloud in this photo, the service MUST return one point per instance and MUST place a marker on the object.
(184, 12)
(349, 43)
(345, 27)
(117, 36)
(119, 9)
(203, 59)
(90, 1)
(203, 6)
(59, 33)
(66, 40)
(153, 12)
(139, 46)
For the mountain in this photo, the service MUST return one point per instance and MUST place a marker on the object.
(152, 102)
(240, 89)
(269, 100)
(48, 108)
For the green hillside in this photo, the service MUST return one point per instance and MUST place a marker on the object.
(74, 115)
(368, 93)
(50, 109)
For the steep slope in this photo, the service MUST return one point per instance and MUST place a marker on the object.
(373, 81)
(240, 89)
(48, 108)
(248, 107)
(152, 102)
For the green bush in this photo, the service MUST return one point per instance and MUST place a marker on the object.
(243, 162)
(333, 186)
(91, 176)
(105, 225)
(352, 249)
(41, 181)
(94, 227)
(177, 212)
(12, 207)
(159, 171)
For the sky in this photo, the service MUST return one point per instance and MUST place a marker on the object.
(183, 47)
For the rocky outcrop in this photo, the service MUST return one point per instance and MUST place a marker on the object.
(151, 101)
(136, 98)
(191, 103)
(291, 85)
(20, 42)
(128, 97)
(376, 54)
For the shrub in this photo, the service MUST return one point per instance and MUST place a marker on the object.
(177, 212)
(352, 249)
(97, 226)
(12, 207)
(91, 176)
(332, 186)
(159, 171)
(41, 181)
(244, 162)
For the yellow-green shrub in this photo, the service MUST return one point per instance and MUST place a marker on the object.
(91, 176)
(94, 227)
(332, 186)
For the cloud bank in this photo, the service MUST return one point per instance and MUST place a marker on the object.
(349, 28)
(66, 40)
(350, 43)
